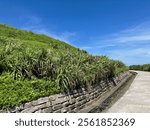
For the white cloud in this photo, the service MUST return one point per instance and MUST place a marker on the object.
(97, 46)
(131, 45)
(132, 55)
(136, 35)
(138, 52)
(134, 38)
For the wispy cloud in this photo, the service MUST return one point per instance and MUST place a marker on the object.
(89, 47)
(131, 45)
(36, 25)
(132, 55)
(139, 34)
(134, 38)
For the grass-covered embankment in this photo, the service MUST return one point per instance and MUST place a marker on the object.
(34, 65)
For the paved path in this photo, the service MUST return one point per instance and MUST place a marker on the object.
(137, 98)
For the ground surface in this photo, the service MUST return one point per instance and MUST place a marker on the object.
(136, 98)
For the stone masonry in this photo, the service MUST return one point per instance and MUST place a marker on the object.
(73, 102)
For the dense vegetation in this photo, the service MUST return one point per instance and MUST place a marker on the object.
(145, 67)
(35, 65)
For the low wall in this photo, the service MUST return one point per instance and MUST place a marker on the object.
(78, 101)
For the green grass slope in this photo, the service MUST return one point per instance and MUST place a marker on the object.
(35, 65)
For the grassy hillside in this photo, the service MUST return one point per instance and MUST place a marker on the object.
(33, 65)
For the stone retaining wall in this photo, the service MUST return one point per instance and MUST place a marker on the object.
(77, 101)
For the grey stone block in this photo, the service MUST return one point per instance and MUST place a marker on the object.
(66, 104)
(61, 95)
(96, 95)
(77, 104)
(58, 106)
(34, 108)
(48, 104)
(60, 101)
(57, 111)
(87, 99)
(83, 101)
(35, 102)
(83, 97)
(91, 97)
(38, 111)
(76, 109)
(91, 94)
(42, 106)
(47, 110)
(30, 110)
(76, 95)
(52, 97)
(72, 111)
(27, 105)
(64, 110)
(43, 100)
(72, 101)
(71, 107)
(82, 106)
(79, 98)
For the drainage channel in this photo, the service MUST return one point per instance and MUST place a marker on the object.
(114, 97)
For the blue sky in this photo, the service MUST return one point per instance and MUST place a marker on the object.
(119, 29)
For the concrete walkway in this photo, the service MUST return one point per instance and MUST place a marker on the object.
(137, 98)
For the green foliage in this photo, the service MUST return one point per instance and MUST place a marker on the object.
(145, 67)
(35, 65)
(15, 92)
(119, 67)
